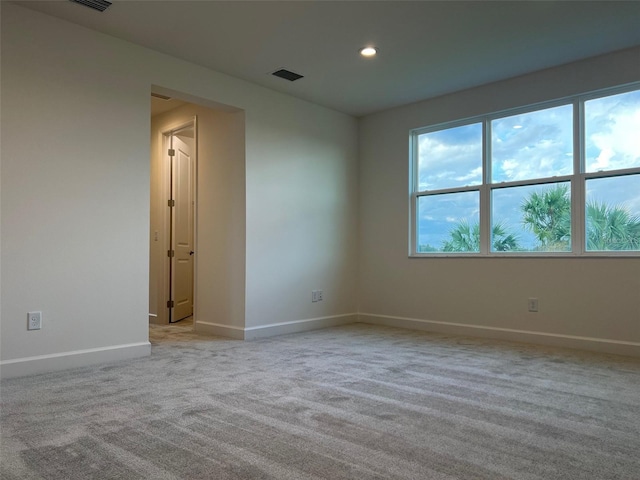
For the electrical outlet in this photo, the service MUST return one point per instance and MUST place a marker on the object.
(319, 295)
(533, 304)
(316, 295)
(34, 320)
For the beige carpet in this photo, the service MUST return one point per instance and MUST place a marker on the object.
(353, 402)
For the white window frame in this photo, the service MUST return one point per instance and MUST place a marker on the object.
(577, 180)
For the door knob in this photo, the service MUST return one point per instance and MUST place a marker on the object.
(191, 252)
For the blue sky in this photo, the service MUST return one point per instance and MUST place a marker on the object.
(527, 146)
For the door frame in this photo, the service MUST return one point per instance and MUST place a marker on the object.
(167, 227)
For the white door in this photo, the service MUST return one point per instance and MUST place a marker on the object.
(182, 180)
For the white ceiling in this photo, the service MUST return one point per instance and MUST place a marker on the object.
(427, 48)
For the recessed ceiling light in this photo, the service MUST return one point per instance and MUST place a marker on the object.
(368, 51)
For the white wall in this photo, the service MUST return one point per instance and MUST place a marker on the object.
(301, 215)
(220, 255)
(594, 298)
(75, 194)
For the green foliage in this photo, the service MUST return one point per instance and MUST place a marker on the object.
(548, 215)
(611, 228)
(466, 238)
(427, 248)
(503, 240)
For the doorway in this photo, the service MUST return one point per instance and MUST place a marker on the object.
(180, 149)
(218, 229)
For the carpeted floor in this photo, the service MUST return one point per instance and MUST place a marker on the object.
(353, 402)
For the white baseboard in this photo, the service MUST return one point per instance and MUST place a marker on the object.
(602, 345)
(20, 367)
(296, 326)
(274, 329)
(79, 358)
(208, 328)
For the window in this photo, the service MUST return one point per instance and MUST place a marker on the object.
(558, 179)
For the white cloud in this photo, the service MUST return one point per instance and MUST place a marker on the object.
(618, 145)
(538, 149)
(602, 160)
(446, 159)
(474, 174)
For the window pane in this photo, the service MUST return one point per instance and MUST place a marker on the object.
(532, 145)
(613, 213)
(533, 218)
(450, 158)
(449, 222)
(612, 132)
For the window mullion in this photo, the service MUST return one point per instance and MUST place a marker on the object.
(485, 191)
(413, 197)
(578, 227)
(612, 173)
(442, 191)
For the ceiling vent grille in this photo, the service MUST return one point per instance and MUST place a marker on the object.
(160, 96)
(100, 5)
(287, 75)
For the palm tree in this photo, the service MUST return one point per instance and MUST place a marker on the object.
(611, 228)
(463, 238)
(503, 241)
(548, 215)
(426, 248)
(466, 238)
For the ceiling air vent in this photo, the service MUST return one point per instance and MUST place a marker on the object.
(160, 96)
(100, 5)
(287, 75)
